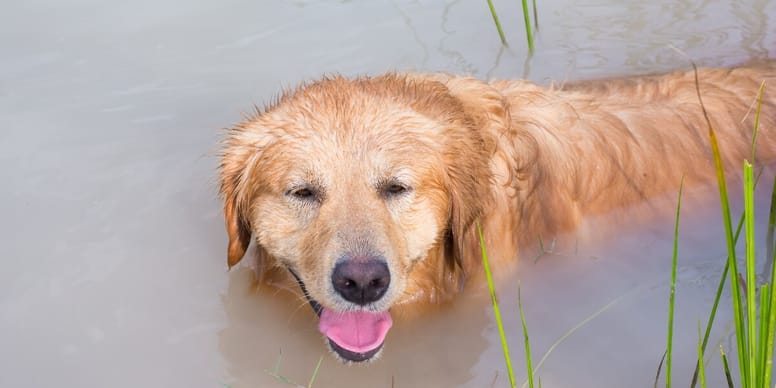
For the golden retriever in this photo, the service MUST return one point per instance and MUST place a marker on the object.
(367, 191)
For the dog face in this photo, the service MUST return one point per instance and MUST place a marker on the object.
(360, 189)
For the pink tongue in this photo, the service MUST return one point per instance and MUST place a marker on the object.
(357, 331)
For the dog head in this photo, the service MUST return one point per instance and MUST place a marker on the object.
(364, 190)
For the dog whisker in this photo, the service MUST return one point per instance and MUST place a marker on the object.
(298, 308)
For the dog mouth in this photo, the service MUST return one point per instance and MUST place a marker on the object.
(355, 336)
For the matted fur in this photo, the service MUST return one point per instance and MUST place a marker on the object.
(524, 160)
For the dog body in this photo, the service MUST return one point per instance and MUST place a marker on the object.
(367, 191)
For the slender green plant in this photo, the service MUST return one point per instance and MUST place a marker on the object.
(771, 228)
(528, 363)
(717, 298)
(720, 287)
(672, 296)
(726, 367)
(498, 24)
(276, 373)
(702, 373)
(754, 339)
(751, 281)
(757, 119)
(732, 261)
(771, 296)
(723, 277)
(496, 310)
(527, 19)
(576, 327)
(315, 372)
(755, 349)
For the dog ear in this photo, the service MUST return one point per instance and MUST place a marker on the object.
(241, 147)
(467, 198)
(238, 229)
(482, 112)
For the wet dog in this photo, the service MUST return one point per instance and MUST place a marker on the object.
(367, 191)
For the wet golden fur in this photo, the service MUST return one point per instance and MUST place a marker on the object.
(524, 160)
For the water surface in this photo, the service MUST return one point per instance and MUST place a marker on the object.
(113, 250)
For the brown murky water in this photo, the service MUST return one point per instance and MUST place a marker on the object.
(113, 268)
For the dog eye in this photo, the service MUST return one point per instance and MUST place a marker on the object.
(303, 193)
(395, 189)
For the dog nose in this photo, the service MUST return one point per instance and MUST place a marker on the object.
(361, 282)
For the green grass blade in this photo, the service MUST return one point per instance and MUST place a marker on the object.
(721, 285)
(755, 334)
(771, 312)
(577, 327)
(528, 33)
(771, 226)
(701, 372)
(757, 118)
(762, 338)
(751, 280)
(535, 15)
(496, 311)
(277, 363)
(498, 24)
(712, 315)
(738, 314)
(671, 298)
(717, 297)
(659, 368)
(726, 368)
(528, 364)
(315, 372)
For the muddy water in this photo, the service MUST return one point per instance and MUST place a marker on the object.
(112, 250)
